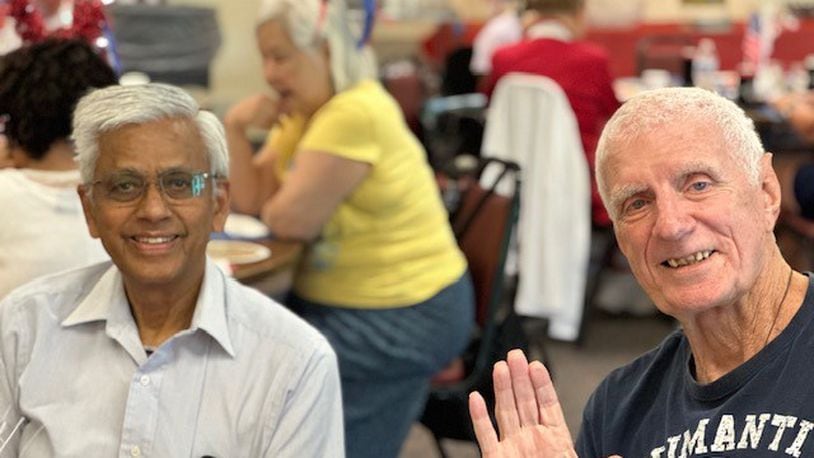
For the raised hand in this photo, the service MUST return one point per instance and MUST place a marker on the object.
(528, 413)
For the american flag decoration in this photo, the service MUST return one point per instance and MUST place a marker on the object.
(370, 17)
(752, 42)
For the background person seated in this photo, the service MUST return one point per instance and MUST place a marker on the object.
(45, 231)
(797, 170)
(503, 28)
(804, 190)
(552, 48)
(382, 278)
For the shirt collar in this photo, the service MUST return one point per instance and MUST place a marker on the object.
(210, 310)
(549, 29)
(108, 302)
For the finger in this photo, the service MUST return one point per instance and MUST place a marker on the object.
(524, 395)
(505, 409)
(550, 409)
(484, 431)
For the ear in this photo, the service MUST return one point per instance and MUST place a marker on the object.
(88, 209)
(222, 201)
(770, 189)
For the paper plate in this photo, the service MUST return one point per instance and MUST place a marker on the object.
(245, 227)
(237, 251)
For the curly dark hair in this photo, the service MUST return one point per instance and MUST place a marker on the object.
(555, 6)
(39, 87)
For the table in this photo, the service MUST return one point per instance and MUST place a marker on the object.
(273, 275)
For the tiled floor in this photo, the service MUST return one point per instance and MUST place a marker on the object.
(610, 342)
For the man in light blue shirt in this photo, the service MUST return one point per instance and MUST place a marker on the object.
(158, 353)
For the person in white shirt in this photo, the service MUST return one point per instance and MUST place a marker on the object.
(502, 29)
(39, 86)
(159, 353)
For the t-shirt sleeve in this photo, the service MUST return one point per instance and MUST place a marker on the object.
(344, 128)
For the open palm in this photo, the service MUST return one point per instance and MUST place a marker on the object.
(527, 410)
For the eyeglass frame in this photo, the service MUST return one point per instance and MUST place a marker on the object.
(200, 177)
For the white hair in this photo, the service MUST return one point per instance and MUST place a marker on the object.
(656, 109)
(110, 108)
(307, 29)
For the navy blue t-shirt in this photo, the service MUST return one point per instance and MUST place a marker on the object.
(653, 407)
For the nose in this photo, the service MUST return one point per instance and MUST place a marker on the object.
(673, 218)
(270, 71)
(153, 206)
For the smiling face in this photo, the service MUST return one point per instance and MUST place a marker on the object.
(301, 78)
(696, 231)
(154, 241)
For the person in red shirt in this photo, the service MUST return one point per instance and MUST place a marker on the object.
(552, 48)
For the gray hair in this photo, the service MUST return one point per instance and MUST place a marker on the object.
(658, 108)
(110, 108)
(307, 27)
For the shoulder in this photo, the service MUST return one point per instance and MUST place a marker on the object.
(52, 297)
(588, 50)
(11, 179)
(274, 348)
(353, 110)
(255, 320)
(624, 388)
(512, 51)
(366, 94)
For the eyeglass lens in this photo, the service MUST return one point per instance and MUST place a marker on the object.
(174, 184)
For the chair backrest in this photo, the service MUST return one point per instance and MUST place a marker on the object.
(453, 126)
(530, 121)
(403, 80)
(457, 78)
(483, 226)
(172, 44)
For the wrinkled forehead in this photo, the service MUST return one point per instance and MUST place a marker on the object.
(686, 146)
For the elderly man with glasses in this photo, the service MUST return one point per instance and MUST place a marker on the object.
(158, 353)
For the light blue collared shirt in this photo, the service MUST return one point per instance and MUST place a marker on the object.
(247, 379)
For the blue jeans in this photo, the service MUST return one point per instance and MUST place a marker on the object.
(386, 359)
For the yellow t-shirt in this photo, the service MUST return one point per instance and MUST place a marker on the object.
(389, 243)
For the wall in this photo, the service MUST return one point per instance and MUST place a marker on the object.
(236, 69)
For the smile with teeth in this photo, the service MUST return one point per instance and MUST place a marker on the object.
(688, 260)
(155, 240)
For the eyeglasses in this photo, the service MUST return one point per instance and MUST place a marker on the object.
(175, 185)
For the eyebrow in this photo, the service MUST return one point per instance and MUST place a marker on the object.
(623, 193)
(135, 171)
(695, 168)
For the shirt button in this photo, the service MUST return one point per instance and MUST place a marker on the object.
(135, 451)
(144, 380)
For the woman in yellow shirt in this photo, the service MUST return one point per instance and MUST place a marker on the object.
(382, 277)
